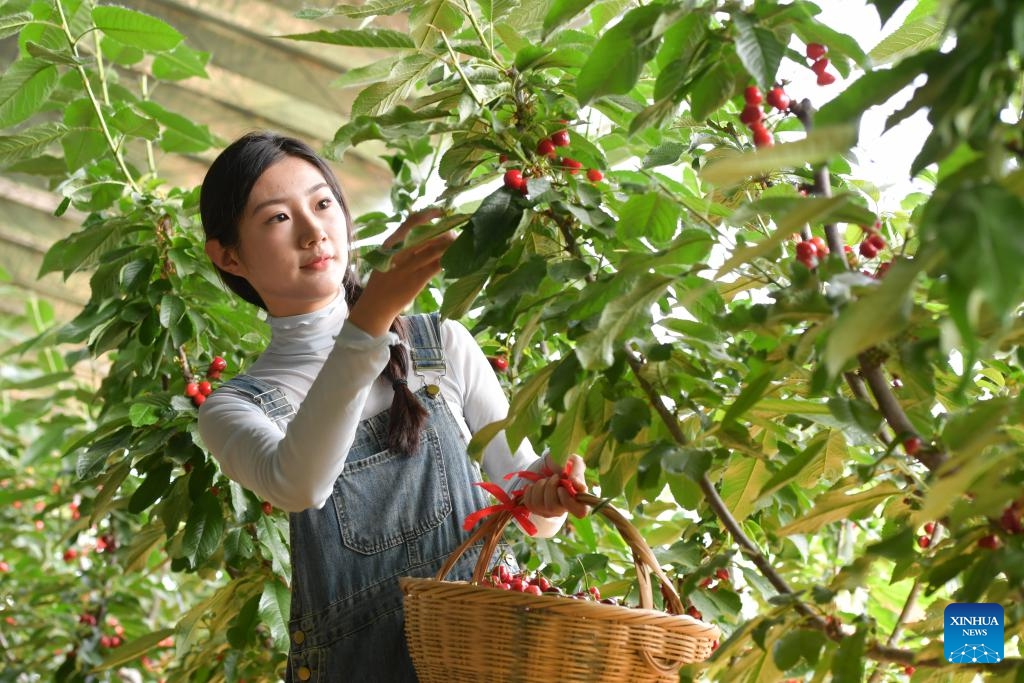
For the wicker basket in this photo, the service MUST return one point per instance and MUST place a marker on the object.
(465, 632)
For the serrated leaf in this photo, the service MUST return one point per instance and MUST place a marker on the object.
(203, 529)
(273, 541)
(275, 604)
(155, 485)
(180, 63)
(25, 88)
(380, 98)
(366, 37)
(133, 649)
(63, 57)
(651, 215)
(759, 49)
(372, 8)
(745, 476)
(873, 88)
(618, 57)
(665, 154)
(181, 134)
(839, 504)
(30, 143)
(712, 90)
(820, 144)
(562, 11)
(12, 23)
(918, 35)
(135, 28)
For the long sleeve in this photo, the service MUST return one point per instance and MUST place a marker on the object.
(296, 470)
(484, 402)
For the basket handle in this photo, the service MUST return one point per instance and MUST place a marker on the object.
(491, 529)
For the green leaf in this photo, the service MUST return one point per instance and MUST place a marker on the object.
(712, 90)
(665, 154)
(12, 23)
(848, 663)
(839, 504)
(156, 484)
(629, 416)
(806, 467)
(25, 87)
(562, 11)
(922, 31)
(63, 57)
(651, 215)
(135, 28)
(366, 37)
(755, 388)
(745, 476)
(488, 233)
(619, 56)
(596, 349)
(204, 529)
(820, 144)
(759, 49)
(274, 611)
(180, 63)
(460, 295)
(795, 645)
(273, 541)
(76, 250)
(372, 8)
(873, 88)
(381, 97)
(30, 143)
(875, 317)
(181, 134)
(133, 649)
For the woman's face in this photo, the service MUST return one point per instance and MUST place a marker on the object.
(293, 239)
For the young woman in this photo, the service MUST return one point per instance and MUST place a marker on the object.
(355, 418)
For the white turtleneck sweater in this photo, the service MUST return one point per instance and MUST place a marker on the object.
(331, 372)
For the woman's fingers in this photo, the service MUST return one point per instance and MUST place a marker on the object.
(414, 220)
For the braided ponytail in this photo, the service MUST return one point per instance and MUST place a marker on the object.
(408, 416)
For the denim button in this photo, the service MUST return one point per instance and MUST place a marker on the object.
(304, 673)
(298, 637)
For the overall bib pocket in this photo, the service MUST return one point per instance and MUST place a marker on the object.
(389, 498)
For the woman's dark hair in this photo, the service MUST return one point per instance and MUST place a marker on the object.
(222, 199)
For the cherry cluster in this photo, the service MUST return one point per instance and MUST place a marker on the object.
(819, 62)
(810, 252)
(515, 179)
(499, 362)
(198, 391)
(753, 117)
(872, 243)
(536, 584)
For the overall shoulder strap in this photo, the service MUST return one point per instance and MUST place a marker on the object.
(269, 398)
(425, 347)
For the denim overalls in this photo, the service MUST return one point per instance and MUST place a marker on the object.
(390, 515)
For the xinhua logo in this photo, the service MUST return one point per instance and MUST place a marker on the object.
(973, 632)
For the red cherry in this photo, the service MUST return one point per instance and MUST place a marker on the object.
(778, 98)
(191, 389)
(762, 136)
(929, 527)
(560, 138)
(545, 147)
(826, 79)
(909, 670)
(571, 165)
(198, 400)
(820, 65)
(499, 362)
(502, 158)
(706, 582)
(266, 507)
(594, 175)
(815, 51)
(70, 554)
(594, 592)
(752, 95)
(218, 364)
(514, 179)
(694, 612)
(924, 541)
(722, 574)
(912, 445)
(820, 246)
(213, 374)
(877, 241)
(868, 250)
(990, 542)
(4, 567)
(806, 251)
(751, 114)
(533, 589)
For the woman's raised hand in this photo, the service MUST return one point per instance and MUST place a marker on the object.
(390, 292)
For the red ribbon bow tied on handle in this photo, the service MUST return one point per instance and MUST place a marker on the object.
(518, 510)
